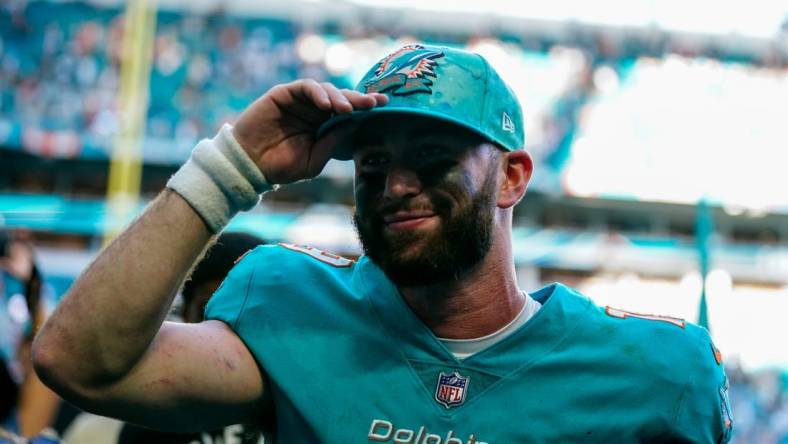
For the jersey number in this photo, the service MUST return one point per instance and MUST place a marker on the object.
(622, 314)
(322, 256)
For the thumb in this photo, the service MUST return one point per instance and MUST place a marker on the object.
(326, 146)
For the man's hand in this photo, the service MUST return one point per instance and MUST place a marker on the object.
(278, 129)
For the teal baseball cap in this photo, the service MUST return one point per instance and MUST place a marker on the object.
(447, 84)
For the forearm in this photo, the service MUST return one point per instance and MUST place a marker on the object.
(114, 309)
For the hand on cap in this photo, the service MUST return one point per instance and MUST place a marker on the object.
(278, 129)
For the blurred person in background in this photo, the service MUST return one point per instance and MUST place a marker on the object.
(27, 406)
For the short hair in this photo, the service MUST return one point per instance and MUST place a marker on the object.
(218, 261)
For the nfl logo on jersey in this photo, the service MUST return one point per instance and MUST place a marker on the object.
(451, 389)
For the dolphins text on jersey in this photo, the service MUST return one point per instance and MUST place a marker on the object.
(384, 431)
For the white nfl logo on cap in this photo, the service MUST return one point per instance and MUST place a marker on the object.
(507, 123)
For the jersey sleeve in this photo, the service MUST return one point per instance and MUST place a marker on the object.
(269, 280)
(228, 302)
(704, 415)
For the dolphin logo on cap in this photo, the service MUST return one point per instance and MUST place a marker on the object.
(405, 71)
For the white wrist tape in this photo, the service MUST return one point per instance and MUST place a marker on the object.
(219, 179)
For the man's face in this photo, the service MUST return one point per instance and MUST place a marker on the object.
(425, 198)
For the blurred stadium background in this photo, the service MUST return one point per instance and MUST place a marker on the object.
(658, 130)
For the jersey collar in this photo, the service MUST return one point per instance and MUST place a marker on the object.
(562, 309)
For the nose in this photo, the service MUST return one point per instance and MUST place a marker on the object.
(401, 182)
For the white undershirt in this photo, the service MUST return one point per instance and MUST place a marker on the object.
(463, 348)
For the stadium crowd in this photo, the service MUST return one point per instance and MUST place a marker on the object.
(759, 402)
(60, 74)
(61, 65)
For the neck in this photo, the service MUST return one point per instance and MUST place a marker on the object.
(480, 303)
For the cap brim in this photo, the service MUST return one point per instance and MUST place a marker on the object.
(344, 149)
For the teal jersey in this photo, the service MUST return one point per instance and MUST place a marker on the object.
(348, 362)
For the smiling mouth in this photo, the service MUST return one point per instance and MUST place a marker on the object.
(408, 221)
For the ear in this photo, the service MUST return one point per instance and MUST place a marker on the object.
(517, 167)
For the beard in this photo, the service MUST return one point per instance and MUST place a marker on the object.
(445, 254)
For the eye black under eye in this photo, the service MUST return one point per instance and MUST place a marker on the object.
(373, 160)
(432, 150)
(436, 166)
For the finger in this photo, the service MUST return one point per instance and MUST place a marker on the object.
(364, 101)
(359, 100)
(380, 99)
(312, 90)
(339, 102)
